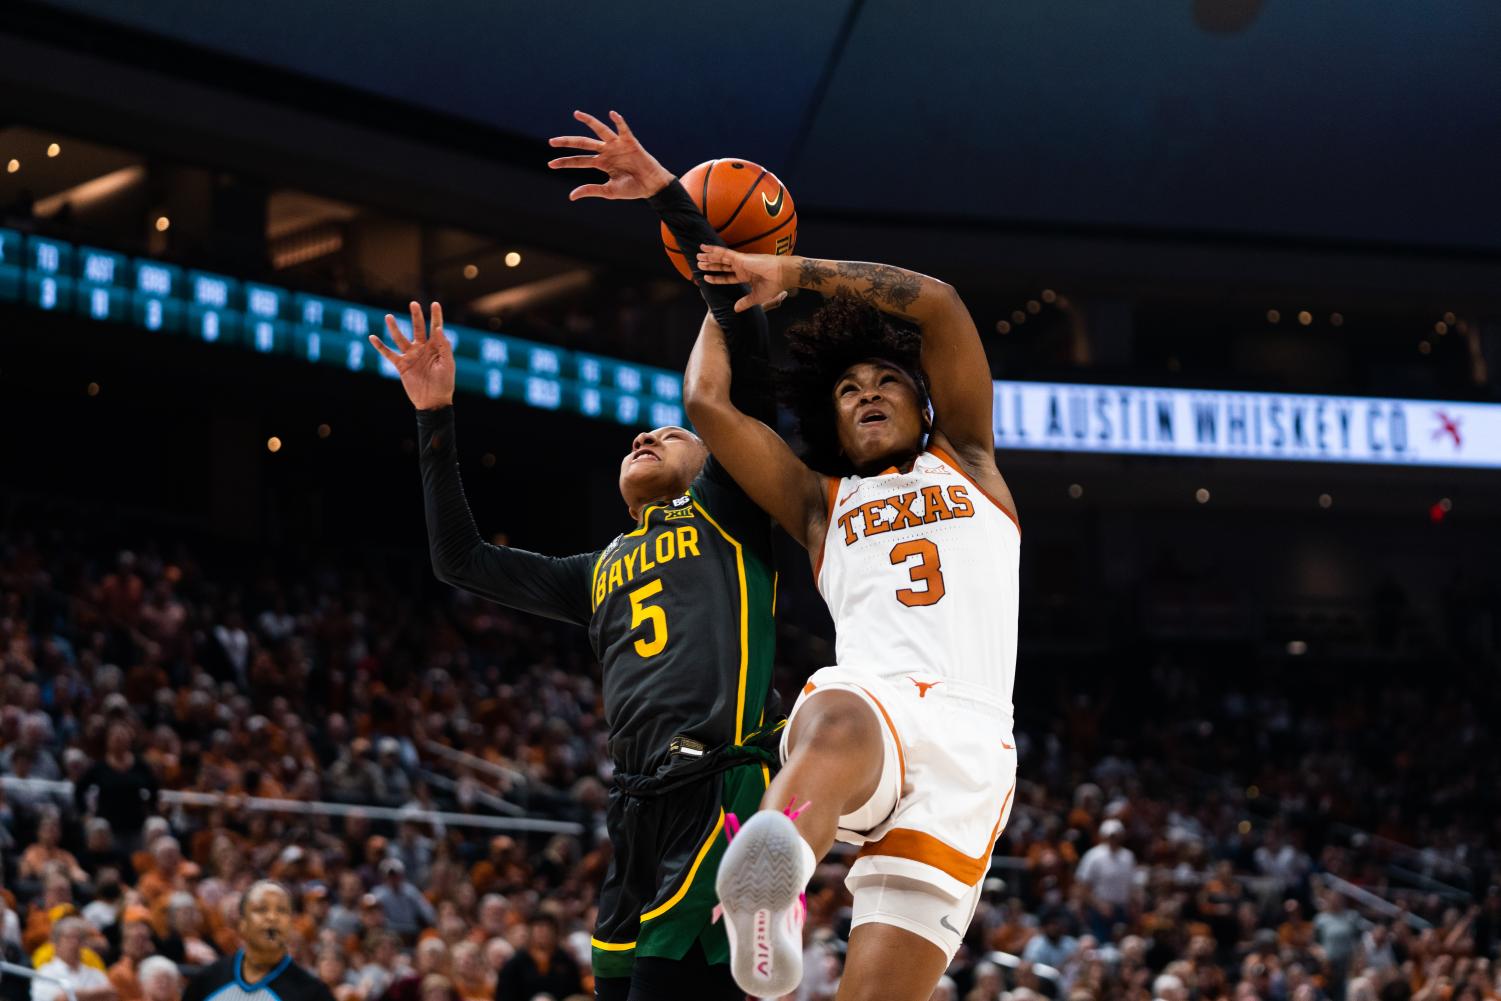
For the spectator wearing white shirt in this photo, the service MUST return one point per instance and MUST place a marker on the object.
(1108, 871)
(87, 982)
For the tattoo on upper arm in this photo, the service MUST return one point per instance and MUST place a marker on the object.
(812, 274)
(891, 287)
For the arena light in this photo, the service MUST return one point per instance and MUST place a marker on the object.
(1075, 490)
(324, 430)
(273, 444)
(1326, 501)
(1336, 320)
(92, 389)
(471, 271)
(163, 224)
(1296, 648)
(13, 166)
(91, 191)
(53, 150)
(513, 259)
(1273, 316)
(1202, 495)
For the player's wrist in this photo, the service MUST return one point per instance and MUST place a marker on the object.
(657, 180)
(791, 272)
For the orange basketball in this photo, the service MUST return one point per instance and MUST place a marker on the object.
(746, 203)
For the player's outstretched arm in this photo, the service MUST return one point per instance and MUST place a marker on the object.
(633, 173)
(544, 585)
(755, 455)
(952, 355)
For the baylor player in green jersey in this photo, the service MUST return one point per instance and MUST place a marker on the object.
(679, 612)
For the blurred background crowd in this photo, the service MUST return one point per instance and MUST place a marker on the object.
(1257, 687)
(1193, 836)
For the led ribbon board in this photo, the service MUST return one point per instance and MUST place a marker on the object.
(103, 285)
(1212, 424)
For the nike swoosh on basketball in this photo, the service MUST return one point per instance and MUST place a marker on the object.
(774, 208)
(945, 922)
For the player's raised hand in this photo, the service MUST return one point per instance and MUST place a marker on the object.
(633, 172)
(764, 273)
(425, 362)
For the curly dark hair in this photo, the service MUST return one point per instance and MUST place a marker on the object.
(843, 332)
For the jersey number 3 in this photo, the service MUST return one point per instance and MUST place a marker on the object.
(927, 570)
(642, 612)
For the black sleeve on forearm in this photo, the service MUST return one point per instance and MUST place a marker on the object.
(746, 333)
(557, 587)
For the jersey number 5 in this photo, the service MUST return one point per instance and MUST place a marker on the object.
(928, 570)
(642, 612)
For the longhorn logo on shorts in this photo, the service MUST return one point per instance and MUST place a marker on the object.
(923, 686)
(774, 207)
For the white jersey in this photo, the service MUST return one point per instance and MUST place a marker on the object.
(919, 571)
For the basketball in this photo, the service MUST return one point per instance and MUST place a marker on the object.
(746, 203)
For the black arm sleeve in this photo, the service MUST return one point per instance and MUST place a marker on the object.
(557, 587)
(746, 333)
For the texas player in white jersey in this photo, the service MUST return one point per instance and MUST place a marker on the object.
(905, 746)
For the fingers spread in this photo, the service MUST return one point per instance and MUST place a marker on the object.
(620, 124)
(574, 161)
(588, 191)
(397, 337)
(437, 312)
(596, 126)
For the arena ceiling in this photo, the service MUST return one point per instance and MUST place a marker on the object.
(1348, 120)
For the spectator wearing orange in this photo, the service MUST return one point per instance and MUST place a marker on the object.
(56, 903)
(136, 943)
(315, 910)
(143, 860)
(472, 981)
(495, 917)
(170, 872)
(47, 851)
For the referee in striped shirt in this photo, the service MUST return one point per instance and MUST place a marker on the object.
(262, 969)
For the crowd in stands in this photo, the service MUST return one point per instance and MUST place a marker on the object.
(1193, 836)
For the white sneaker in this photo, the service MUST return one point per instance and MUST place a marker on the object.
(761, 881)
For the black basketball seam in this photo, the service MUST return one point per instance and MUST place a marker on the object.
(703, 198)
(748, 192)
(758, 236)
